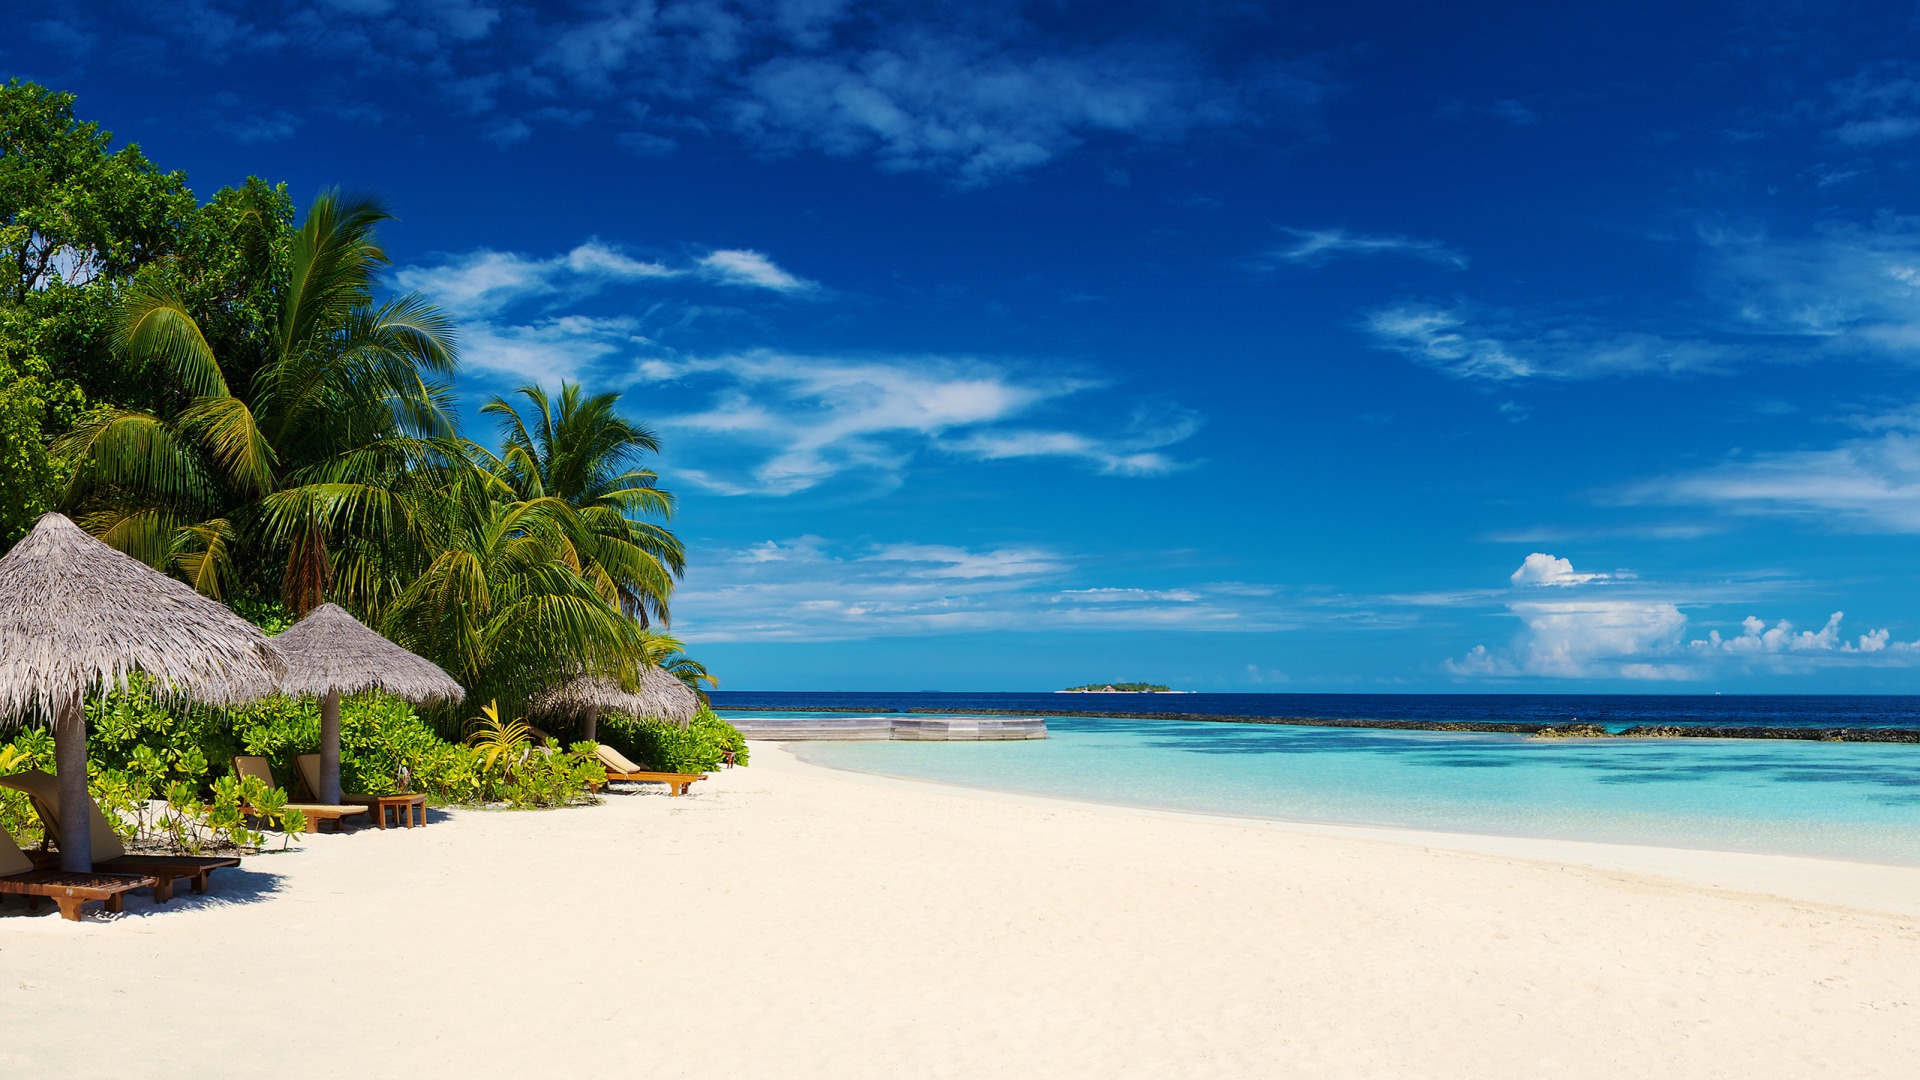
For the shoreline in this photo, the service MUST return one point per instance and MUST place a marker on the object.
(1881, 888)
(1898, 735)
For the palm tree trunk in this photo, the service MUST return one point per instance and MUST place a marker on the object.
(591, 724)
(70, 762)
(329, 792)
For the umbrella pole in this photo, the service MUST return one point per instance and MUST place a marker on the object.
(591, 724)
(329, 792)
(70, 762)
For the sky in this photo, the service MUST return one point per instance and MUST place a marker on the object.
(1352, 346)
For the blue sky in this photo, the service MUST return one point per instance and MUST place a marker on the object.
(1359, 346)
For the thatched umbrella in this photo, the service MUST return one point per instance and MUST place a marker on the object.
(76, 615)
(660, 697)
(330, 653)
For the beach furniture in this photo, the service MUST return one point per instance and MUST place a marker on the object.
(109, 856)
(619, 768)
(318, 813)
(404, 807)
(68, 890)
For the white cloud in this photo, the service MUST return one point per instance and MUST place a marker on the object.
(1863, 484)
(485, 283)
(1849, 287)
(1497, 351)
(975, 92)
(750, 268)
(1317, 247)
(808, 419)
(807, 588)
(1878, 105)
(1598, 632)
(1542, 569)
(980, 110)
(1758, 639)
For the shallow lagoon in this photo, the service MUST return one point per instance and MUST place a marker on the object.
(1837, 800)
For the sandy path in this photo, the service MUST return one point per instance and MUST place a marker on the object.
(794, 922)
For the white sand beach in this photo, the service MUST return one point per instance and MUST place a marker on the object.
(790, 921)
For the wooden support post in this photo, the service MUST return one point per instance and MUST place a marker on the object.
(70, 762)
(329, 792)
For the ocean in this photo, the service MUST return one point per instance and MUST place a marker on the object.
(1828, 799)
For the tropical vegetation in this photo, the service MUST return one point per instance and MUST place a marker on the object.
(227, 391)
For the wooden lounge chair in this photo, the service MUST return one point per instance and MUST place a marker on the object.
(109, 856)
(403, 806)
(619, 768)
(19, 877)
(318, 813)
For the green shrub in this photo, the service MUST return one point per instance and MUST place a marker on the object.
(657, 744)
(164, 772)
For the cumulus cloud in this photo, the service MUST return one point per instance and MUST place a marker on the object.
(1540, 568)
(1594, 631)
(1317, 247)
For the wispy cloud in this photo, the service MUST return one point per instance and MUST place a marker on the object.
(1876, 106)
(767, 421)
(975, 93)
(1317, 247)
(813, 589)
(1869, 485)
(1502, 348)
(750, 268)
(808, 419)
(483, 283)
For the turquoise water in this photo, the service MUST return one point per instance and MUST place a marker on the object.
(1838, 800)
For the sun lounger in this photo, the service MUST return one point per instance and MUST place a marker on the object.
(109, 856)
(619, 768)
(403, 806)
(19, 877)
(317, 813)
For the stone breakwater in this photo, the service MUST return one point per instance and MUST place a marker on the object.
(1500, 727)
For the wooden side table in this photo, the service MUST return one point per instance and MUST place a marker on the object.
(404, 808)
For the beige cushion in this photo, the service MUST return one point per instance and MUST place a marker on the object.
(615, 760)
(12, 859)
(247, 765)
(44, 788)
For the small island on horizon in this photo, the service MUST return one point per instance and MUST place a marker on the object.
(1121, 688)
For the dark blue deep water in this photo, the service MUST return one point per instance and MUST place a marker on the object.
(1612, 710)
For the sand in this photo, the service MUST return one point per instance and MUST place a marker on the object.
(790, 921)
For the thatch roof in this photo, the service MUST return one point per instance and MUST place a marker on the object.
(661, 697)
(74, 613)
(331, 652)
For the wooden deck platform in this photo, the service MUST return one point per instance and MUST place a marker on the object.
(895, 727)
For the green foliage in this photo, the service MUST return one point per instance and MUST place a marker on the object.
(657, 744)
(155, 776)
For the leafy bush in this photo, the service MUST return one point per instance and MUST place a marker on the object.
(164, 774)
(699, 747)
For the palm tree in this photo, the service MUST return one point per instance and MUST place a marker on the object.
(503, 604)
(665, 652)
(582, 452)
(298, 465)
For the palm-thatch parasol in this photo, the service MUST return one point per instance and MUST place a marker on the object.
(77, 616)
(660, 697)
(330, 653)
